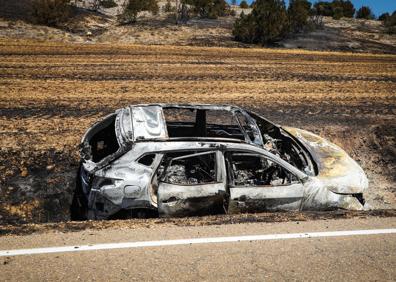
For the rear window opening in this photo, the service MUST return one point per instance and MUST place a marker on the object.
(102, 139)
(184, 122)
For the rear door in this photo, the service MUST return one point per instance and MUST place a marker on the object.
(257, 183)
(191, 184)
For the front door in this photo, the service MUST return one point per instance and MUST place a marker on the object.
(191, 184)
(257, 183)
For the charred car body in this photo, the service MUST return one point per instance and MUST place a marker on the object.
(178, 160)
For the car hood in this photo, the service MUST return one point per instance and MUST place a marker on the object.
(337, 170)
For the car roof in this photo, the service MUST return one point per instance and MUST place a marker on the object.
(224, 107)
(146, 122)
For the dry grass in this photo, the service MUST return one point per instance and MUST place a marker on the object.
(50, 93)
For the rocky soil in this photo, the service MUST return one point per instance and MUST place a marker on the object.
(87, 26)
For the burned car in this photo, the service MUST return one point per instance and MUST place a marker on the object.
(179, 160)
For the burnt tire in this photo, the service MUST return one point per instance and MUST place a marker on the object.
(79, 206)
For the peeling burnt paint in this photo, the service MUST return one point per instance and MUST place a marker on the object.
(137, 159)
(340, 173)
(188, 200)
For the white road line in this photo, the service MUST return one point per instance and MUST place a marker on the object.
(193, 241)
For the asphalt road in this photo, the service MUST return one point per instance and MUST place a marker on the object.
(345, 258)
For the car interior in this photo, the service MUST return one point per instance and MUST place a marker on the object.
(247, 170)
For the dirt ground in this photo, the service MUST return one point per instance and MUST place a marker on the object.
(213, 220)
(50, 93)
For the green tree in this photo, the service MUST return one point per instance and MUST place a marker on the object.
(220, 8)
(51, 12)
(267, 23)
(133, 7)
(323, 9)
(244, 4)
(298, 13)
(209, 8)
(348, 10)
(336, 9)
(390, 23)
(245, 29)
(384, 17)
(337, 13)
(365, 13)
(342, 8)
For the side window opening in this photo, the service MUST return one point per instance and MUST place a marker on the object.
(188, 169)
(223, 124)
(147, 160)
(279, 143)
(180, 122)
(245, 125)
(247, 170)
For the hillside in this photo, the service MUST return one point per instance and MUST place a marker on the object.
(102, 27)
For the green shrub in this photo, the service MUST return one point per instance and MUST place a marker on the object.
(211, 9)
(244, 4)
(342, 8)
(267, 23)
(245, 29)
(390, 23)
(324, 9)
(336, 9)
(337, 13)
(365, 13)
(384, 17)
(51, 12)
(133, 7)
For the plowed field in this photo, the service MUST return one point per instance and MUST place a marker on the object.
(51, 93)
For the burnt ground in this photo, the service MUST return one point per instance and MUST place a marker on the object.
(52, 92)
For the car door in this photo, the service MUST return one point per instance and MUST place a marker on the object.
(192, 184)
(257, 183)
